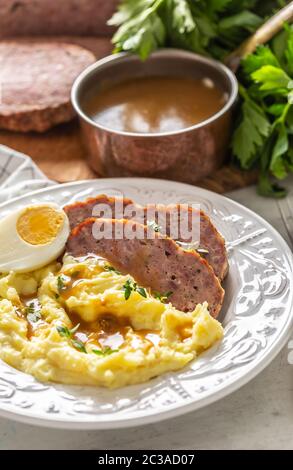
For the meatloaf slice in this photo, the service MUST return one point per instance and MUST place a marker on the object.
(36, 80)
(210, 239)
(78, 211)
(157, 263)
(212, 244)
(77, 17)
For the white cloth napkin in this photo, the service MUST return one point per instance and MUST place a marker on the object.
(19, 174)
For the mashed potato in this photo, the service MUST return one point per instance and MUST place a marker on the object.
(85, 323)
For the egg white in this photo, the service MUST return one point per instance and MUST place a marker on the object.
(18, 255)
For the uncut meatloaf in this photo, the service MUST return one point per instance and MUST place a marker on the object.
(36, 81)
(157, 263)
(210, 239)
(77, 17)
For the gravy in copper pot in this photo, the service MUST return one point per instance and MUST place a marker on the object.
(155, 104)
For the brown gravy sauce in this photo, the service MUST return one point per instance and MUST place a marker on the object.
(185, 331)
(109, 331)
(155, 104)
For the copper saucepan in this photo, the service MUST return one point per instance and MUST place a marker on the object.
(185, 155)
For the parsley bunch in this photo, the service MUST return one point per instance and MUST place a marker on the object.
(210, 27)
(264, 134)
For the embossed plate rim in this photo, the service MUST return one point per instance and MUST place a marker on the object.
(96, 421)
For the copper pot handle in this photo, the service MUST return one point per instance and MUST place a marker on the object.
(262, 35)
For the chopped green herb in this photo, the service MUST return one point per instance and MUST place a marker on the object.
(162, 297)
(127, 287)
(130, 287)
(33, 312)
(110, 268)
(69, 333)
(106, 351)
(63, 331)
(61, 283)
(154, 226)
(141, 291)
(74, 329)
(66, 332)
(79, 345)
(34, 317)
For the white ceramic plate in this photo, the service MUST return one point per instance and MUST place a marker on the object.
(257, 317)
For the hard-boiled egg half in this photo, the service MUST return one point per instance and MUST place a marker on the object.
(32, 237)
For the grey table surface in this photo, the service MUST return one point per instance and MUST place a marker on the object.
(258, 416)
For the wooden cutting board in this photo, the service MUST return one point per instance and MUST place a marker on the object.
(62, 157)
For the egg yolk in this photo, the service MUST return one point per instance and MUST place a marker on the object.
(39, 225)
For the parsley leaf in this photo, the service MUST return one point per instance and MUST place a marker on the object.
(233, 27)
(262, 56)
(141, 28)
(66, 332)
(216, 6)
(79, 345)
(162, 297)
(126, 10)
(288, 53)
(109, 268)
(74, 329)
(271, 78)
(269, 189)
(61, 285)
(277, 164)
(33, 312)
(141, 291)
(63, 331)
(250, 134)
(127, 287)
(276, 109)
(130, 287)
(182, 19)
(106, 351)
(275, 157)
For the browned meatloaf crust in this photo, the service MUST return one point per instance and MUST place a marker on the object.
(78, 17)
(210, 238)
(81, 210)
(36, 83)
(157, 263)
